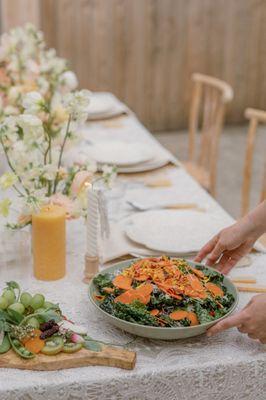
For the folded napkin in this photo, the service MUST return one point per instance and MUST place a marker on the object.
(149, 198)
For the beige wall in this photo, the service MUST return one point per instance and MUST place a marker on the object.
(144, 51)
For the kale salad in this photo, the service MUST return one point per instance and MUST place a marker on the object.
(164, 292)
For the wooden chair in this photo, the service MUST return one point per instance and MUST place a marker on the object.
(255, 117)
(207, 109)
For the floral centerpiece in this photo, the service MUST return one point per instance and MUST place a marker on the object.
(40, 111)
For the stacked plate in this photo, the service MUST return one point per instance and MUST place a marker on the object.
(173, 232)
(129, 157)
(104, 106)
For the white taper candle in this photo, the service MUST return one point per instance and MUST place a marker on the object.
(92, 252)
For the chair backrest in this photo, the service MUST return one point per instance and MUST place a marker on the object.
(209, 97)
(255, 117)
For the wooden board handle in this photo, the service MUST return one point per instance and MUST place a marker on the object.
(109, 356)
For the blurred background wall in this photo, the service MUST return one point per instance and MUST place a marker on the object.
(144, 51)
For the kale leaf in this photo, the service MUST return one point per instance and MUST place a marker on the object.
(102, 281)
(135, 312)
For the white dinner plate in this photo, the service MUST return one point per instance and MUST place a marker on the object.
(173, 231)
(121, 153)
(156, 162)
(100, 105)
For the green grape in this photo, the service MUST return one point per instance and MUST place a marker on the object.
(18, 307)
(9, 295)
(25, 299)
(33, 322)
(37, 301)
(48, 304)
(3, 303)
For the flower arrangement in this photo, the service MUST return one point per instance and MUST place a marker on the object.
(40, 111)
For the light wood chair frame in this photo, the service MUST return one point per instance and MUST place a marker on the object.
(255, 117)
(218, 93)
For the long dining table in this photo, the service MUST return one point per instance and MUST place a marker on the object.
(229, 366)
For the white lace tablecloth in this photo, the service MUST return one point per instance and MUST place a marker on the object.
(229, 366)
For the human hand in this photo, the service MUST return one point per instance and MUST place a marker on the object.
(229, 246)
(234, 242)
(251, 320)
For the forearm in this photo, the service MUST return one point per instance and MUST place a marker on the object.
(257, 219)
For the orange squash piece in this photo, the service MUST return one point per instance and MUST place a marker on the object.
(130, 295)
(35, 344)
(215, 290)
(193, 318)
(197, 272)
(122, 282)
(125, 298)
(36, 332)
(195, 283)
(108, 289)
(178, 315)
(145, 289)
(154, 312)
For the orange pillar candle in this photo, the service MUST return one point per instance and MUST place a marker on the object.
(49, 243)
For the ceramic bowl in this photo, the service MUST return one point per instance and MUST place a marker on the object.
(159, 332)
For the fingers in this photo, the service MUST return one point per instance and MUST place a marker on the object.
(227, 323)
(216, 253)
(206, 249)
(228, 261)
(231, 258)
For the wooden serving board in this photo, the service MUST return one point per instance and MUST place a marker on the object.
(109, 356)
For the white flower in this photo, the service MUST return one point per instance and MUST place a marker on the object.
(52, 64)
(9, 125)
(33, 67)
(7, 180)
(43, 85)
(11, 110)
(77, 104)
(32, 128)
(49, 171)
(14, 93)
(33, 102)
(109, 174)
(69, 80)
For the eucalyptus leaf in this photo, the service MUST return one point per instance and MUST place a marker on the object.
(46, 316)
(4, 316)
(4, 326)
(92, 345)
(16, 317)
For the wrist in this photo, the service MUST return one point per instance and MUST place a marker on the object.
(256, 220)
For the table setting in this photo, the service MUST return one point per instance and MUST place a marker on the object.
(101, 230)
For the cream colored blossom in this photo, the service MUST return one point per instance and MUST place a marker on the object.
(4, 207)
(69, 80)
(77, 104)
(33, 103)
(32, 128)
(7, 180)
